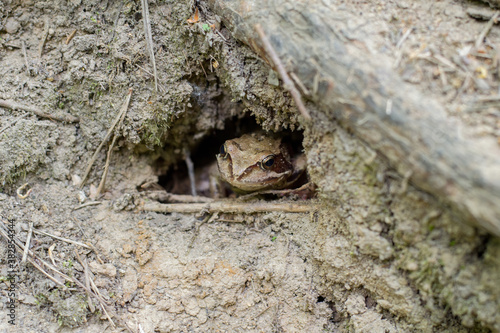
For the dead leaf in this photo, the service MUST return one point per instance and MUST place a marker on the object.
(195, 18)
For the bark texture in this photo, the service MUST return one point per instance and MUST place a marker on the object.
(349, 84)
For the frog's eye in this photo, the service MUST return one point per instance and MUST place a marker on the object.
(267, 162)
(223, 151)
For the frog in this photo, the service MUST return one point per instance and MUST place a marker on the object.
(258, 162)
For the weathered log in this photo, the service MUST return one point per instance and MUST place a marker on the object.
(367, 96)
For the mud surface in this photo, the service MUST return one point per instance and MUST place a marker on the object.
(373, 255)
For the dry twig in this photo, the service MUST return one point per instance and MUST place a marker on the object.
(25, 54)
(486, 29)
(229, 207)
(288, 83)
(87, 204)
(61, 238)
(87, 280)
(118, 119)
(13, 122)
(16, 106)
(70, 37)
(28, 241)
(163, 196)
(44, 37)
(307, 186)
(106, 165)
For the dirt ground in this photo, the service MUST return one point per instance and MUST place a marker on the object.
(373, 254)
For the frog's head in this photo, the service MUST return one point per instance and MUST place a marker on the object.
(254, 162)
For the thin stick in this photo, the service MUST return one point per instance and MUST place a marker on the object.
(78, 223)
(14, 46)
(206, 76)
(16, 106)
(87, 278)
(110, 130)
(25, 54)
(51, 253)
(309, 186)
(44, 38)
(149, 39)
(229, 207)
(100, 188)
(61, 238)
(95, 289)
(115, 23)
(197, 230)
(70, 37)
(302, 87)
(27, 245)
(403, 38)
(163, 196)
(40, 268)
(13, 122)
(486, 30)
(288, 83)
(160, 86)
(91, 203)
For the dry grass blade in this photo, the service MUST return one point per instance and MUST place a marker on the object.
(61, 238)
(149, 39)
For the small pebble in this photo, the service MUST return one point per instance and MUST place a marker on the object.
(11, 26)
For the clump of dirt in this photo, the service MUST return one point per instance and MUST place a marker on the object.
(373, 253)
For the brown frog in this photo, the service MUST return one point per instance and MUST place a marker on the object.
(256, 162)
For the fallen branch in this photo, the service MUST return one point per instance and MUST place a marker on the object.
(229, 207)
(16, 106)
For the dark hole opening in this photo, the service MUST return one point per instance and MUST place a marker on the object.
(176, 179)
